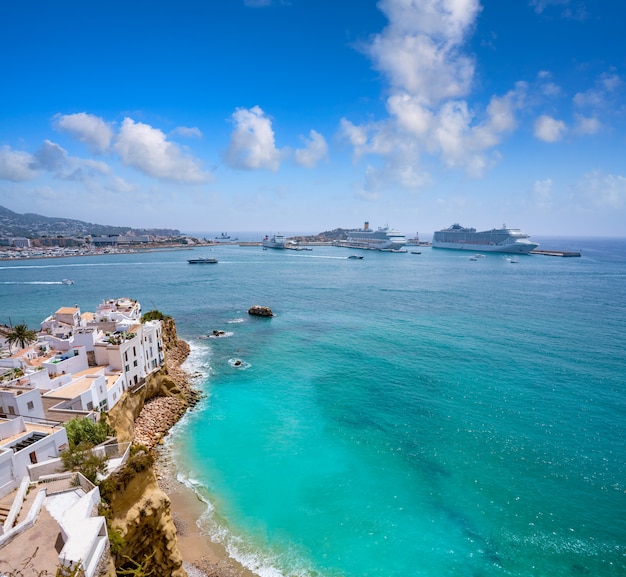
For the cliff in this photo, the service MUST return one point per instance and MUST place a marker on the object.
(138, 511)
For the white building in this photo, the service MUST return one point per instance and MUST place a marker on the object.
(23, 444)
(93, 389)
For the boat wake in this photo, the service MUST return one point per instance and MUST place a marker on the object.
(42, 282)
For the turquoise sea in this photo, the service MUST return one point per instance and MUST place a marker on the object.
(400, 415)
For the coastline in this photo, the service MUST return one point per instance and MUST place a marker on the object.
(201, 556)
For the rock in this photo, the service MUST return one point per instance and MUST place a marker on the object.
(260, 311)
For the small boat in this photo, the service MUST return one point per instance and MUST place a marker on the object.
(67, 281)
(355, 257)
(202, 260)
(416, 252)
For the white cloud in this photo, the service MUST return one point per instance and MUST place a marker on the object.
(252, 141)
(419, 50)
(91, 130)
(587, 125)
(572, 11)
(541, 5)
(611, 82)
(549, 129)
(54, 159)
(187, 132)
(16, 165)
(316, 149)
(421, 54)
(148, 150)
(542, 193)
(603, 191)
(590, 98)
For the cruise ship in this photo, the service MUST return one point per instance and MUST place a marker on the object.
(384, 238)
(510, 240)
(276, 241)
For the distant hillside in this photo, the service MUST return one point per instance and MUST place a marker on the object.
(36, 226)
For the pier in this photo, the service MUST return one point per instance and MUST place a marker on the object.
(556, 252)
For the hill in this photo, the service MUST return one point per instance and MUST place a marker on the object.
(32, 225)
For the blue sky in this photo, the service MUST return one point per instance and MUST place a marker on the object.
(307, 115)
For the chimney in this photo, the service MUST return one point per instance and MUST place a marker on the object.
(366, 226)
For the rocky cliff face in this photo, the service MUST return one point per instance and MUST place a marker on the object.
(141, 512)
(137, 507)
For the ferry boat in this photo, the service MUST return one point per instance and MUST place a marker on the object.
(276, 241)
(384, 238)
(202, 260)
(509, 240)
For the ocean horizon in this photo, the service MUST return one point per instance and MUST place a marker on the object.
(403, 414)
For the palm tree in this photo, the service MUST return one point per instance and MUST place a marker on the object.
(21, 335)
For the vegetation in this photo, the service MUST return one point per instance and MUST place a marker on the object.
(21, 335)
(137, 569)
(140, 460)
(153, 316)
(81, 458)
(83, 435)
(82, 430)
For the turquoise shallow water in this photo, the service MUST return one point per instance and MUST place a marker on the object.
(401, 414)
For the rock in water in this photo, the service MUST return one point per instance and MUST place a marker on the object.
(260, 311)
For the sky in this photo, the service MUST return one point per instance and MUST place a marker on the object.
(308, 115)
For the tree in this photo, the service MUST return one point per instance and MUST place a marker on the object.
(83, 430)
(21, 335)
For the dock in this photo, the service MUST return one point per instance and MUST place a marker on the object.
(556, 252)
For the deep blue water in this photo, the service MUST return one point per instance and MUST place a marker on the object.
(399, 415)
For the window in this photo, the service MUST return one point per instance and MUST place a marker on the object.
(30, 405)
(11, 411)
(134, 363)
(33, 457)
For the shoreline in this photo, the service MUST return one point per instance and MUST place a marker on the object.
(202, 557)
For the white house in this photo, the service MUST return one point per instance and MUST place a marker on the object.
(21, 400)
(93, 389)
(26, 443)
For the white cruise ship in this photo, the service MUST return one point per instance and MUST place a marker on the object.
(510, 240)
(384, 238)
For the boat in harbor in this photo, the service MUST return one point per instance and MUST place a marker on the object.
(383, 238)
(509, 240)
(276, 241)
(202, 260)
(225, 237)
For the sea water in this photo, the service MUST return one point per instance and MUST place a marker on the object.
(404, 414)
